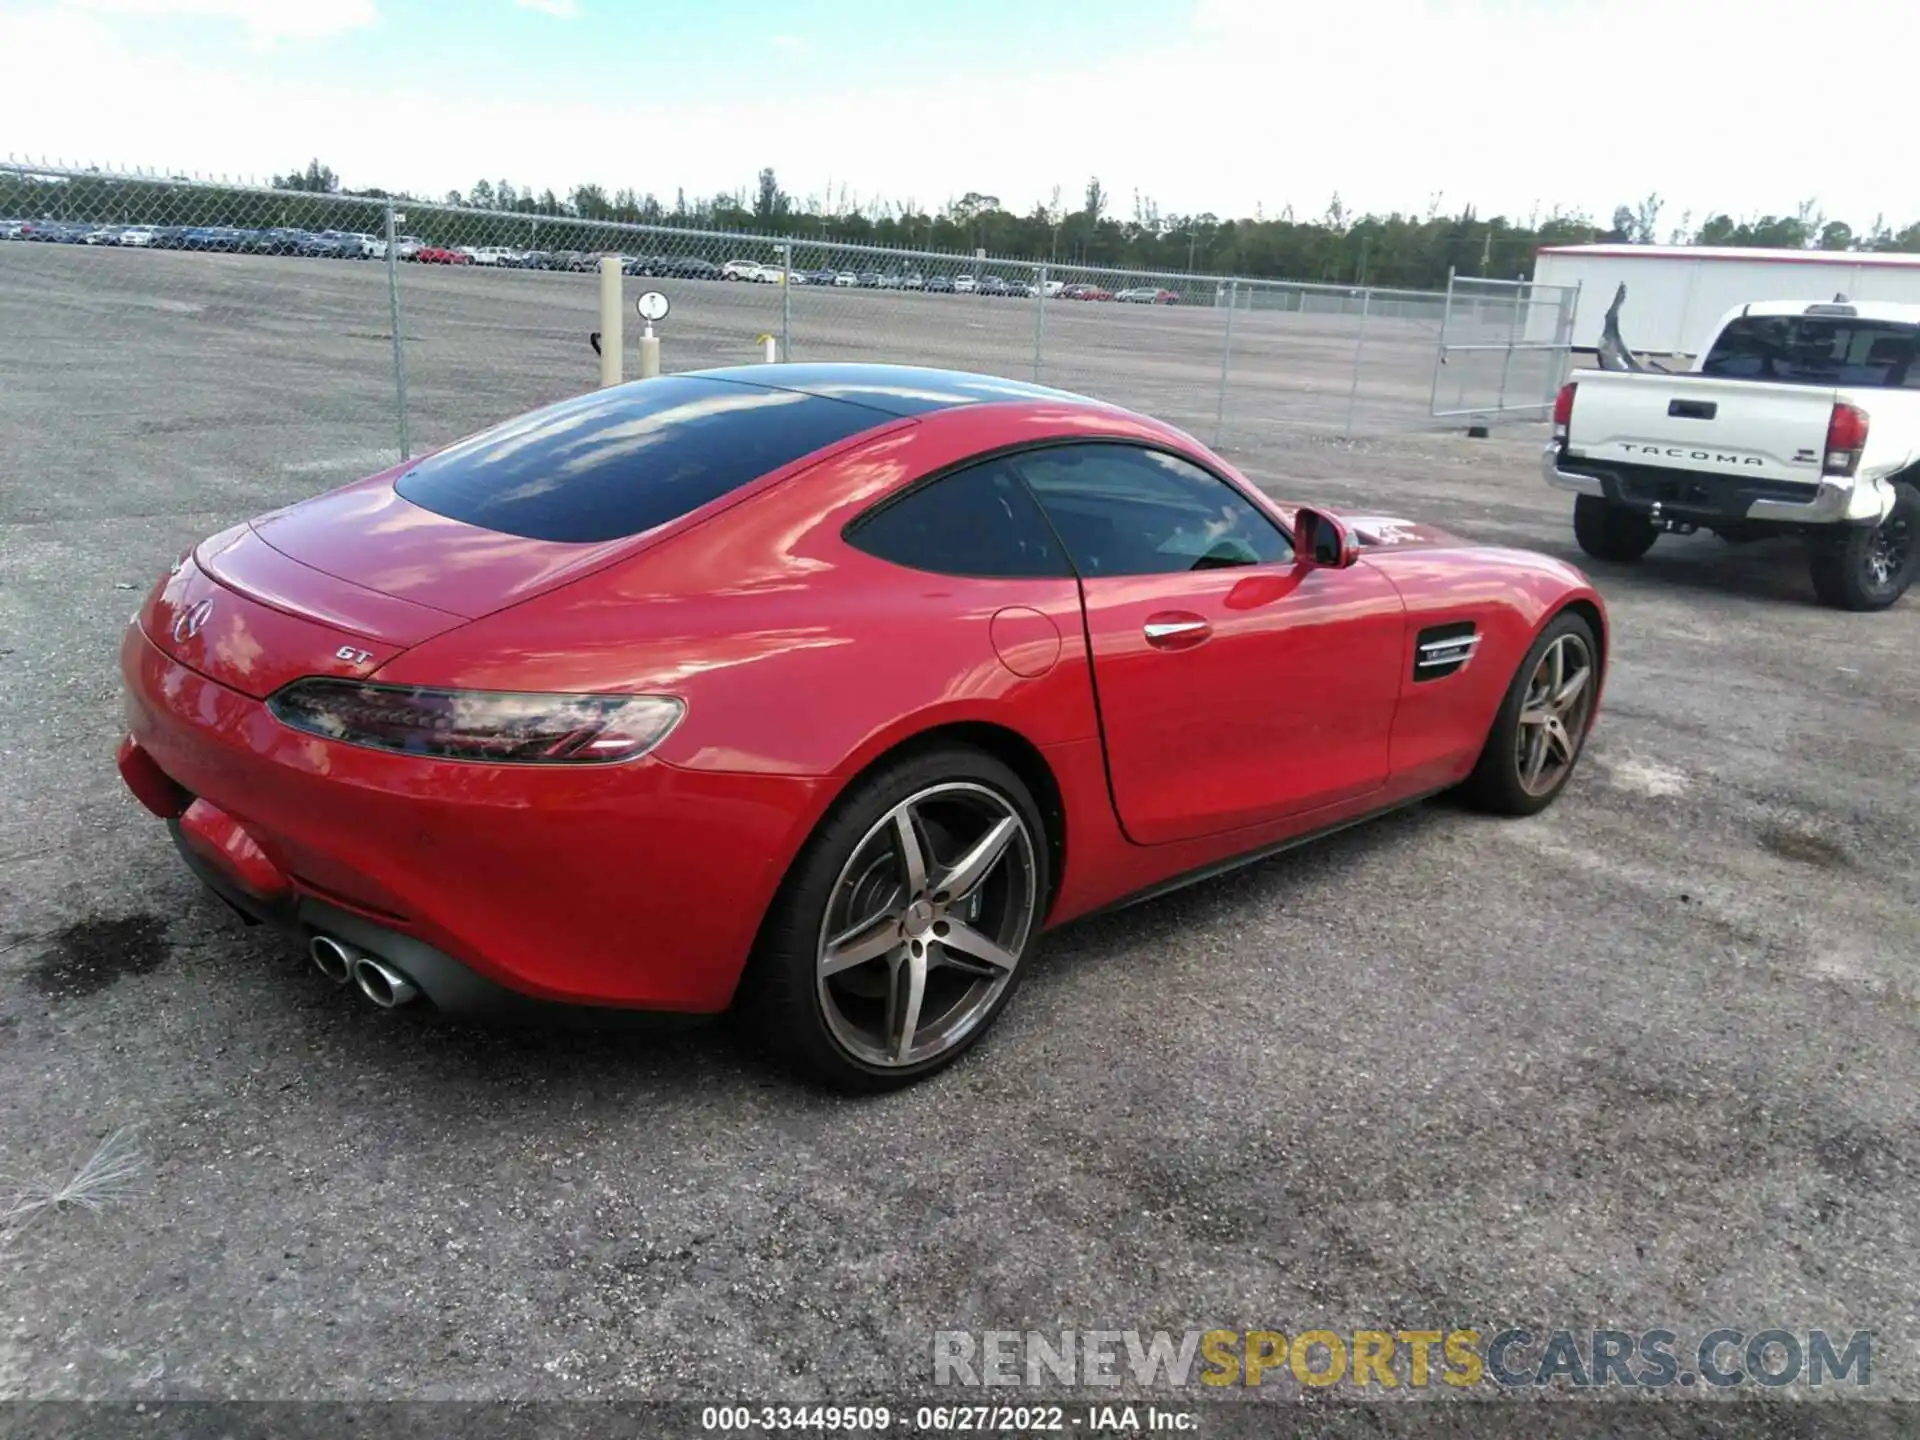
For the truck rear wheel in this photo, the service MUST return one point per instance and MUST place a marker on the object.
(1868, 569)
(1608, 531)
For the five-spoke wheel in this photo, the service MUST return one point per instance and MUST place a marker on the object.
(926, 923)
(899, 933)
(1543, 721)
(1553, 716)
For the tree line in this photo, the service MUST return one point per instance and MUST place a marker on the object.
(1337, 246)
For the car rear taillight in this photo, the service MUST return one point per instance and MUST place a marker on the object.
(503, 727)
(1846, 438)
(1563, 410)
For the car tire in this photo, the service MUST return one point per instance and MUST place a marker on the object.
(1869, 567)
(1608, 531)
(835, 1028)
(1506, 780)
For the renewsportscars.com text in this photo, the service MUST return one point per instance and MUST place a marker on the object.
(1510, 1358)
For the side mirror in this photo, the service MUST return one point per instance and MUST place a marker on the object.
(1321, 542)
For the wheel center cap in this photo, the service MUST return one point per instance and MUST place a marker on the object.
(919, 918)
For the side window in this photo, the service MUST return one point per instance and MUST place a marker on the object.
(980, 521)
(1123, 510)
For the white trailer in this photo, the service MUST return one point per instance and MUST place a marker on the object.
(1678, 294)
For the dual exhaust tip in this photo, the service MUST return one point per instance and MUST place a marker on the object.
(377, 980)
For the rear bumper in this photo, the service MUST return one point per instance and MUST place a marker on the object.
(1706, 498)
(447, 984)
(637, 886)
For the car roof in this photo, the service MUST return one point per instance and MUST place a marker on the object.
(895, 390)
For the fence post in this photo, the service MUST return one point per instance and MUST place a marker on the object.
(1440, 355)
(1359, 345)
(393, 320)
(1226, 359)
(786, 301)
(1039, 319)
(613, 345)
(1506, 363)
(1563, 337)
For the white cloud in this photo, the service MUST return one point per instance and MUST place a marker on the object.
(1495, 103)
(564, 9)
(791, 43)
(264, 20)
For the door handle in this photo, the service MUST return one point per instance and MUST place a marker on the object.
(1176, 631)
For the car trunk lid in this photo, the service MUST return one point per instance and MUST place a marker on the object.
(383, 544)
(243, 614)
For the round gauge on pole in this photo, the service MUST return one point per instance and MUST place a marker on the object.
(652, 306)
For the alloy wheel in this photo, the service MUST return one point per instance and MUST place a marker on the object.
(1887, 555)
(1554, 714)
(925, 925)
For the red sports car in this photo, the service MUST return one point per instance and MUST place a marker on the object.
(441, 255)
(820, 688)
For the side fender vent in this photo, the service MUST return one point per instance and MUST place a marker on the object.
(1441, 650)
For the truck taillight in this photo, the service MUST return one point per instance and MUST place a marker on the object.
(1563, 410)
(1846, 438)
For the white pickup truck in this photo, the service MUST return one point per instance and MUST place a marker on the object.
(1798, 419)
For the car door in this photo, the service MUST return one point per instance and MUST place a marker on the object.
(1234, 686)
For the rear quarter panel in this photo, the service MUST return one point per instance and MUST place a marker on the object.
(796, 653)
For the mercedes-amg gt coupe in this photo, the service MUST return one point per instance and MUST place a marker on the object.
(820, 690)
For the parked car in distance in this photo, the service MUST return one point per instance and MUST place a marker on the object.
(405, 247)
(496, 255)
(740, 270)
(535, 260)
(442, 255)
(1148, 295)
(871, 280)
(846, 279)
(1054, 287)
(940, 285)
(281, 240)
(965, 284)
(1085, 292)
(681, 267)
(327, 245)
(139, 236)
(222, 238)
(913, 280)
(104, 235)
(992, 285)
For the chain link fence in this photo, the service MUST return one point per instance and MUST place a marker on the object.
(1505, 347)
(333, 331)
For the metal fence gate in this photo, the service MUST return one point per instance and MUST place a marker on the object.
(1505, 346)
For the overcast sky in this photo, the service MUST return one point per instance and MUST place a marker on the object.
(1221, 105)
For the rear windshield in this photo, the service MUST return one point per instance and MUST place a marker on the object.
(1815, 350)
(614, 463)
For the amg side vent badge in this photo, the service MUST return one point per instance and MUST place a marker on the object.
(1444, 649)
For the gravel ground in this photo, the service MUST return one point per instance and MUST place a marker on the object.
(1647, 1060)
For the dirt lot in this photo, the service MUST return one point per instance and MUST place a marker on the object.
(1648, 1060)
